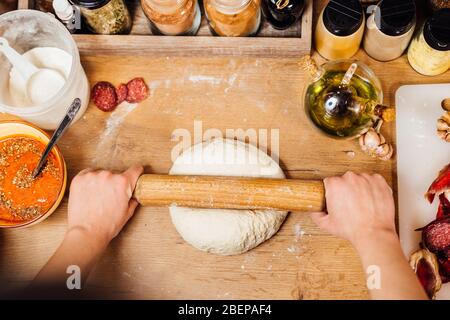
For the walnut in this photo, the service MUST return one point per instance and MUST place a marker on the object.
(443, 127)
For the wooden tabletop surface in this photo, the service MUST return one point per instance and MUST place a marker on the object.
(149, 260)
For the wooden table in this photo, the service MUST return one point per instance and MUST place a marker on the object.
(149, 260)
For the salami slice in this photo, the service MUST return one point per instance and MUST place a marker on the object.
(122, 92)
(104, 96)
(436, 236)
(137, 90)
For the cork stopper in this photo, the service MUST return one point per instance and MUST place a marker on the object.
(385, 113)
(310, 66)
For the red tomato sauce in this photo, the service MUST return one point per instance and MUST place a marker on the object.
(23, 198)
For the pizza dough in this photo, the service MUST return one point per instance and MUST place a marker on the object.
(219, 231)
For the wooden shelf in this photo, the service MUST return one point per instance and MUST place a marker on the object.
(293, 42)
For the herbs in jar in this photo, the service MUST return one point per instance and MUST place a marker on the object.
(105, 16)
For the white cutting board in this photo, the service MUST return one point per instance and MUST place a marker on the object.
(421, 154)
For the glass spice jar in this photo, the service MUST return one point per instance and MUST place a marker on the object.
(173, 17)
(233, 18)
(282, 14)
(105, 16)
(44, 5)
(429, 51)
(436, 5)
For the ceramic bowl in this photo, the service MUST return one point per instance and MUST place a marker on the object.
(17, 127)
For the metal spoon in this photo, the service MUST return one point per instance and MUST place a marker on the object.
(70, 115)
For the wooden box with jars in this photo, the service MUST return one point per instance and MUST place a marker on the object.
(263, 28)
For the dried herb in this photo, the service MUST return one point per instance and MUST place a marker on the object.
(111, 18)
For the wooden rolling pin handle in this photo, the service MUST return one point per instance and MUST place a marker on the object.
(218, 192)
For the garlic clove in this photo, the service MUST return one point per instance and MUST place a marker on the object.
(372, 139)
(388, 154)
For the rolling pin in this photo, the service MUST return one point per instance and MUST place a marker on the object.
(217, 192)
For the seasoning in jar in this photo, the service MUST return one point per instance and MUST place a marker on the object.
(438, 4)
(340, 29)
(233, 18)
(44, 5)
(389, 29)
(23, 198)
(8, 5)
(281, 14)
(105, 16)
(429, 51)
(173, 17)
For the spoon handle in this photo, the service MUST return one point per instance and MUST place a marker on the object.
(65, 123)
(25, 68)
(349, 74)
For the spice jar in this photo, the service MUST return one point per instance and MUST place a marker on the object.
(8, 5)
(233, 18)
(105, 16)
(429, 51)
(44, 5)
(438, 4)
(173, 17)
(389, 29)
(281, 14)
(340, 29)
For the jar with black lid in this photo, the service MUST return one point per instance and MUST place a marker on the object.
(282, 14)
(429, 51)
(389, 29)
(339, 29)
(105, 16)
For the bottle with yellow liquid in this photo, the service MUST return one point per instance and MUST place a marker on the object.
(344, 98)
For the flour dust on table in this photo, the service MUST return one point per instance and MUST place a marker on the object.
(219, 231)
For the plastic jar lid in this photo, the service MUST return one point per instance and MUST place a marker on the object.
(396, 16)
(436, 30)
(343, 17)
(90, 4)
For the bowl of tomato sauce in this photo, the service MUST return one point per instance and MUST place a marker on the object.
(25, 201)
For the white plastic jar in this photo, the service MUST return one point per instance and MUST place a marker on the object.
(28, 29)
(389, 29)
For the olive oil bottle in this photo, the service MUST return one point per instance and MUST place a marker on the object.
(344, 110)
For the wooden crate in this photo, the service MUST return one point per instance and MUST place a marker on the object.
(293, 42)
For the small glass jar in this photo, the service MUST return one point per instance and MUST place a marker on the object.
(173, 17)
(436, 5)
(44, 5)
(429, 51)
(233, 18)
(282, 14)
(105, 16)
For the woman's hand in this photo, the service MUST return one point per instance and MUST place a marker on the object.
(359, 206)
(100, 202)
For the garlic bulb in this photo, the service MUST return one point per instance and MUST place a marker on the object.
(374, 144)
